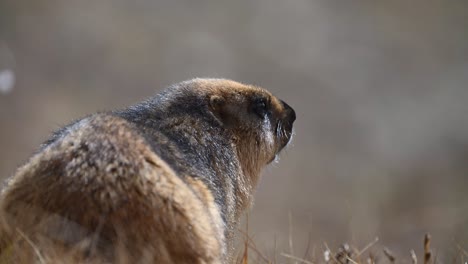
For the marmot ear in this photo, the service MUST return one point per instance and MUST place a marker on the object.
(219, 109)
(216, 103)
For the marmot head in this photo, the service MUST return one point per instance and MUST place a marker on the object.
(260, 124)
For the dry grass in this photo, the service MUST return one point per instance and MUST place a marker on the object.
(372, 253)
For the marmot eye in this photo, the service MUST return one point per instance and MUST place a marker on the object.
(260, 107)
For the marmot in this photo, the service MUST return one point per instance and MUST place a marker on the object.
(163, 181)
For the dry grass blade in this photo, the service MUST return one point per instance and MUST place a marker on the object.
(461, 250)
(296, 258)
(414, 258)
(251, 244)
(427, 248)
(371, 259)
(350, 260)
(328, 254)
(456, 256)
(245, 256)
(36, 250)
(367, 247)
(307, 247)
(344, 253)
(389, 255)
(291, 247)
(276, 250)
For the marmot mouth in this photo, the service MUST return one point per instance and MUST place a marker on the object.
(285, 133)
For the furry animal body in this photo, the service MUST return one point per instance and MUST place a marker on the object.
(163, 181)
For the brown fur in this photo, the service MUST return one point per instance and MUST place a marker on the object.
(98, 191)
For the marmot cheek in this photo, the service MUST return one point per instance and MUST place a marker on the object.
(268, 133)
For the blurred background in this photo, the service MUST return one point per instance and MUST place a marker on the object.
(379, 87)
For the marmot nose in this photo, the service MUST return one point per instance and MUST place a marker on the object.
(290, 113)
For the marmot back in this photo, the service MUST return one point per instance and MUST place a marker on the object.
(164, 181)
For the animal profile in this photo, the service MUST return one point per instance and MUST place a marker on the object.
(162, 181)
